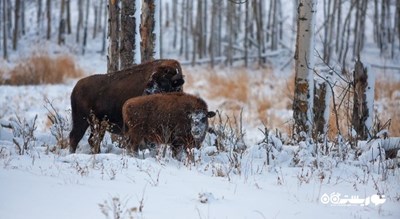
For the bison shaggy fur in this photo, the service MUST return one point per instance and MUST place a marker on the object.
(178, 119)
(100, 97)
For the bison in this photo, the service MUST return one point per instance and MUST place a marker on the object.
(177, 118)
(100, 97)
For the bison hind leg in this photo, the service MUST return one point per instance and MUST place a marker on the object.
(76, 134)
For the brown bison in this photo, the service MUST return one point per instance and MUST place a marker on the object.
(100, 97)
(177, 118)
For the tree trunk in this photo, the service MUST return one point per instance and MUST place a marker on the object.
(175, 22)
(5, 55)
(363, 101)
(213, 32)
(80, 20)
(85, 31)
(113, 52)
(246, 35)
(16, 23)
(22, 11)
(48, 13)
(105, 20)
(321, 108)
(61, 28)
(68, 4)
(39, 14)
(128, 27)
(147, 31)
(304, 82)
(95, 18)
(398, 19)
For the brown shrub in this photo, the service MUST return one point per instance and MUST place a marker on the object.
(43, 69)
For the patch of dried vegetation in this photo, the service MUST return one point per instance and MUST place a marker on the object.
(41, 68)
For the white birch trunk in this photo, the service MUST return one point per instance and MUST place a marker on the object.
(157, 28)
(138, 39)
(304, 58)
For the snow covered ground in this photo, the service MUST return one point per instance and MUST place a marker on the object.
(48, 182)
(266, 180)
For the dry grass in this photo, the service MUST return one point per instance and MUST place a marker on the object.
(386, 88)
(235, 86)
(388, 93)
(42, 69)
(384, 94)
(242, 90)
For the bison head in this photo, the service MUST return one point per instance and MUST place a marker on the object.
(199, 123)
(166, 79)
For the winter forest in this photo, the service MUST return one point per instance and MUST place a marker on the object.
(302, 99)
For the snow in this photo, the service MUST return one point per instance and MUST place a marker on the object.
(45, 184)
(260, 176)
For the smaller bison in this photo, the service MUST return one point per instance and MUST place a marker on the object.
(99, 98)
(176, 118)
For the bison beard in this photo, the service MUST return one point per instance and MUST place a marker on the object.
(178, 119)
(99, 98)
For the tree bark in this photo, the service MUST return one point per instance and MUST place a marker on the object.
(361, 107)
(105, 20)
(147, 45)
(113, 53)
(80, 20)
(321, 109)
(16, 23)
(128, 27)
(5, 54)
(61, 28)
(68, 5)
(304, 82)
(85, 31)
(48, 13)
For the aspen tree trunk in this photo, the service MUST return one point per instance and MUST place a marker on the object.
(85, 31)
(1, 21)
(128, 27)
(147, 26)
(61, 27)
(39, 14)
(16, 23)
(363, 101)
(48, 13)
(104, 39)
(246, 35)
(95, 18)
(304, 83)
(321, 108)
(113, 52)
(398, 19)
(80, 20)
(213, 34)
(5, 54)
(68, 5)
(22, 11)
(175, 22)
(183, 30)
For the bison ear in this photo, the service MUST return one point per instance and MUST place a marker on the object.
(210, 114)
